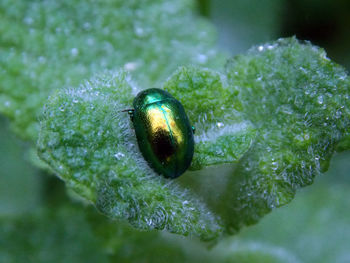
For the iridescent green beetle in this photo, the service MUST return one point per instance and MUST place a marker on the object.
(163, 131)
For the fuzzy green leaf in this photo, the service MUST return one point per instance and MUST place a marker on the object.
(45, 46)
(315, 226)
(296, 98)
(72, 233)
(222, 135)
(89, 142)
(299, 101)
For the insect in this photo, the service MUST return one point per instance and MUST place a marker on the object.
(163, 132)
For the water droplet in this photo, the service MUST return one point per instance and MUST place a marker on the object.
(90, 41)
(303, 70)
(274, 166)
(219, 153)
(299, 138)
(287, 109)
(119, 155)
(202, 58)
(317, 157)
(261, 48)
(338, 114)
(28, 20)
(87, 25)
(342, 77)
(306, 136)
(61, 108)
(131, 66)
(219, 124)
(77, 175)
(139, 31)
(320, 99)
(74, 52)
(41, 59)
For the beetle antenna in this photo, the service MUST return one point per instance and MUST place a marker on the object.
(128, 110)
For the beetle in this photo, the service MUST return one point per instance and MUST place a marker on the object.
(163, 132)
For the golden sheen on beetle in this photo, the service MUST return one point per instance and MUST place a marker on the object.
(163, 131)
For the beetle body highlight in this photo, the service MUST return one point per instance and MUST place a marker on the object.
(163, 131)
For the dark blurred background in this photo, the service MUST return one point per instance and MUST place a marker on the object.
(243, 23)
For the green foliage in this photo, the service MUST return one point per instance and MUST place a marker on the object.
(265, 127)
(295, 97)
(59, 231)
(45, 46)
(315, 226)
(87, 140)
(56, 230)
(299, 101)
(222, 135)
(45, 235)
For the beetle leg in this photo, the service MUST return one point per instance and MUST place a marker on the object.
(193, 129)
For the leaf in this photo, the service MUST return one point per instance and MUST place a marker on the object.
(88, 141)
(250, 251)
(315, 226)
(69, 232)
(45, 46)
(222, 135)
(299, 101)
